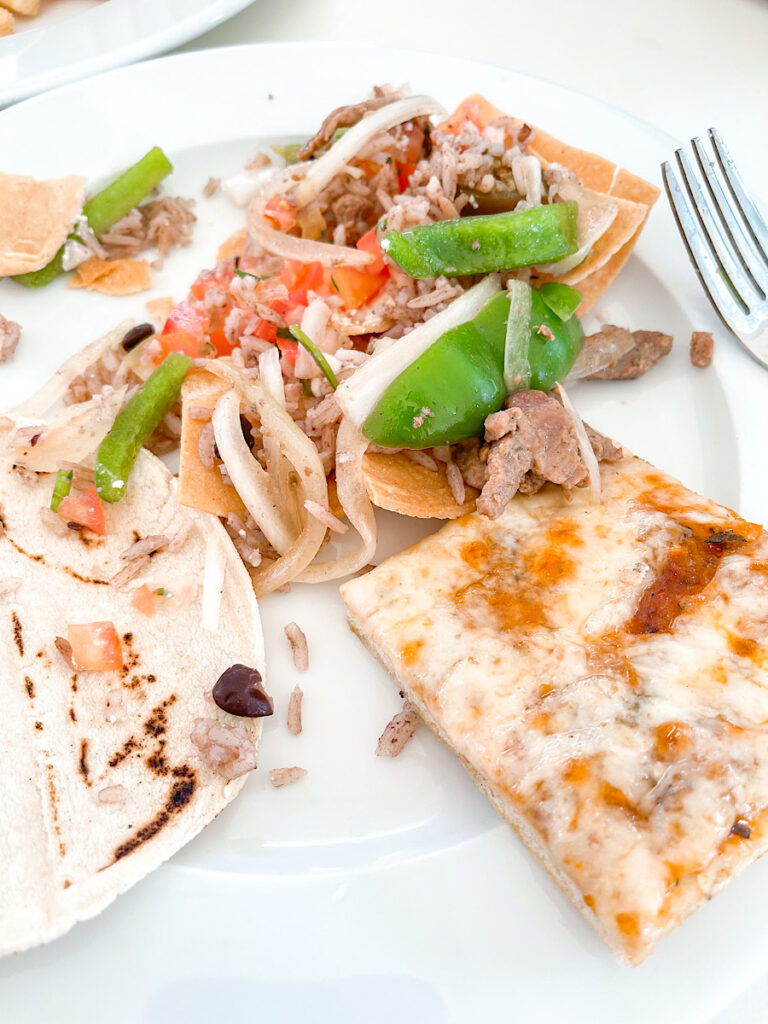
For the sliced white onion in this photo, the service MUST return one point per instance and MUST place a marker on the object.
(305, 250)
(596, 213)
(74, 434)
(526, 170)
(517, 366)
(248, 478)
(56, 387)
(359, 393)
(586, 451)
(271, 375)
(322, 171)
(213, 582)
(299, 450)
(350, 487)
(597, 355)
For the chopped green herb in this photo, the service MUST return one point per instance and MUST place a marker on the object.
(306, 385)
(316, 354)
(244, 273)
(61, 487)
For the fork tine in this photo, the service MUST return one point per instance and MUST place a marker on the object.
(714, 233)
(743, 244)
(700, 253)
(752, 215)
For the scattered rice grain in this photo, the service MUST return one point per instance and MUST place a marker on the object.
(299, 649)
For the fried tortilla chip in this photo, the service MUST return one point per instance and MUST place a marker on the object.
(397, 483)
(233, 246)
(35, 219)
(6, 23)
(112, 277)
(200, 487)
(29, 8)
(160, 309)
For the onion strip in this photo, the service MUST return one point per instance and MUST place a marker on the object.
(350, 487)
(250, 481)
(213, 582)
(278, 468)
(333, 162)
(305, 250)
(358, 394)
(596, 213)
(303, 456)
(586, 450)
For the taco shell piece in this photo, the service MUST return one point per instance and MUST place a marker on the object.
(35, 219)
(29, 8)
(6, 22)
(397, 483)
(112, 277)
(64, 853)
(200, 487)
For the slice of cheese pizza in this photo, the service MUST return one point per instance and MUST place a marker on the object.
(602, 672)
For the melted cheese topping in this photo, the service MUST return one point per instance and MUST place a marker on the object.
(605, 669)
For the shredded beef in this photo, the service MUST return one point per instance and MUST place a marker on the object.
(702, 348)
(648, 348)
(530, 443)
(341, 117)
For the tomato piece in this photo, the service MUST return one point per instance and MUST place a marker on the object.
(186, 318)
(220, 342)
(289, 348)
(299, 278)
(181, 341)
(369, 168)
(415, 136)
(370, 243)
(266, 331)
(145, 600)
(282, 213)
(85, 509)
(404, 172)
(475, 110)
(95, 646)
(357, 286)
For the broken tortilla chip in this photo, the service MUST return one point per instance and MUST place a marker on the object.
(233, 246)
(160, 309)
(200, 487)
(112, 277)
(35, 219)
(397, 483)
(29, 8)
(6, 23)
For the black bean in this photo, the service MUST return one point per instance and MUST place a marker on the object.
(741, 828)
(136, 335)
(238, 692)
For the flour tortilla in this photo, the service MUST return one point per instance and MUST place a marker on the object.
(64, 855)
(35, 219)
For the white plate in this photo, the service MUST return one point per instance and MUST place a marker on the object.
(70, 39)
(374, 890)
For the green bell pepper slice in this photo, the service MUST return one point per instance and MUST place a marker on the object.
(446, 394)
(482, 245)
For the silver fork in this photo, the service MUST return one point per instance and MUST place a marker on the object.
(726, 238)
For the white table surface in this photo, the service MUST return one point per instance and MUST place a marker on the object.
(682, 65)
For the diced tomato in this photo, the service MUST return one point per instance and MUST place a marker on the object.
(220, 342)
(357, 286)
(474, 109)
(85, 509)
(145, 600)
(281, 212)
(181, 341)
(370, 243)
(186, 318)
(95, 646)
(404, 172)
(299, 278)
(266, 331)
(289, 348)
(369, 168)
(415, 136)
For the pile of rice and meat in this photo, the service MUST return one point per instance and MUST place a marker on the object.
(266, 438)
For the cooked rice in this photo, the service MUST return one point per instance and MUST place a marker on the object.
(160, 224)
(422, 459)
(285, 776)
(28, 437)
(206, 446)
(10, 333)
(147, 546)
(178, 540)
(398, 732)
(455, 482)
(112, 795)
(293, 718)
(64, 647)
(299, 649)
(225, 749)
(53, 522)
(211, 187)
(130, 571)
